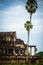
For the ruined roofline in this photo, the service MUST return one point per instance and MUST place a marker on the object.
(8, 33)
(19, 41)
(31, 45)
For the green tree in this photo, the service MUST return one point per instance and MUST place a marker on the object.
(39, 54)
(31, 6)
(28, 26)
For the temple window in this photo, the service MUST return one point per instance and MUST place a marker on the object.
(11, 39)
(1, 51)
(17, 51)
(22, 51)
(5, 51)
(4, 38)
(10, 51)
(12, 44)
(7, 38)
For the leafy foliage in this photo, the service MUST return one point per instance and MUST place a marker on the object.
(40, 54)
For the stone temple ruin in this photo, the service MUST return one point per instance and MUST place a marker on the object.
(14, 50)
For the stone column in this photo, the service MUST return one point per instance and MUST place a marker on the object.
(34, 50)
(15, 37)
(30, 50)
(14, 52)
(19, 51)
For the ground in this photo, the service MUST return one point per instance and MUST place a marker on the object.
(23, 64)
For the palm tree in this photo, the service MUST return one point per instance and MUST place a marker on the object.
(28, 25)
(31, 6)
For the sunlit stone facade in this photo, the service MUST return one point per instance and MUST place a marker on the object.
(11, 47)
(9, 44)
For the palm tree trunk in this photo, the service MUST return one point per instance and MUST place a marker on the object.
(28, 44)
(28, 38)
(30, 16)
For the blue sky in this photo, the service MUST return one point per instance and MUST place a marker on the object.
(13, 15)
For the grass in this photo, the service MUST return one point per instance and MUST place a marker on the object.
(24, 64)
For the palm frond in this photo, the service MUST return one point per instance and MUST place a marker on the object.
(28, 25)
(31, 6)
